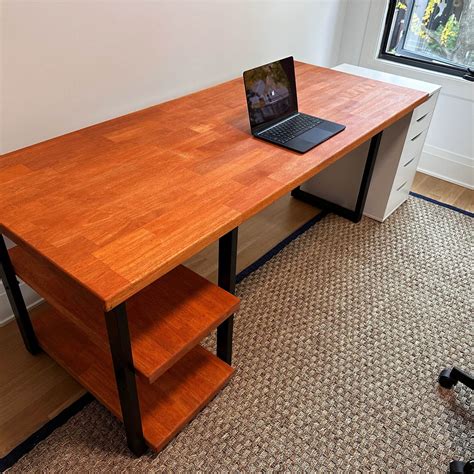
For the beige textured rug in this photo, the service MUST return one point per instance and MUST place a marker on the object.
(338, 346)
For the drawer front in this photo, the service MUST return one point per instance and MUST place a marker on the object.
(413, 146)
(407, 169)
(398, 195)
(419, 125)
(426, 107)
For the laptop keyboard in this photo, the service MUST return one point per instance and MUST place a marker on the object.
(291, 128)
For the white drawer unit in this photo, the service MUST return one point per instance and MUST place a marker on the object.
(397, 160)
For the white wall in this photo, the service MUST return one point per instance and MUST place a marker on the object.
(449, 149)
(68, 64)
(354, 29)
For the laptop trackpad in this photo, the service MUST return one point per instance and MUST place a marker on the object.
(309, 139)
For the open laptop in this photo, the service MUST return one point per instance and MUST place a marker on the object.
(273, 109)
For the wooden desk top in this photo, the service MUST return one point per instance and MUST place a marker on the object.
(119, 204)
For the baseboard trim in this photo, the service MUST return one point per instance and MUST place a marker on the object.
(6, 320)
(448, 166)
(11, 317)
(31, 299)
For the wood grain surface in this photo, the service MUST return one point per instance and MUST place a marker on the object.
(119, 204)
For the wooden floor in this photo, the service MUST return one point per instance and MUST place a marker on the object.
(34, 389)
(443, 191)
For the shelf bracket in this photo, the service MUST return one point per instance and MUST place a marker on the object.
(356, 214)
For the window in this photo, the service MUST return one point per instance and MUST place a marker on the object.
(432, 34)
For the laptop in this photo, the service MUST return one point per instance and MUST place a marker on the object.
(273, 109)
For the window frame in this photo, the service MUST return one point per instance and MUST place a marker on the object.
(410, 58)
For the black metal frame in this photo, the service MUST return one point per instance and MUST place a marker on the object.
(356, 214)
(227, 265)
(414, 60)
(121, 350)
(20, 311)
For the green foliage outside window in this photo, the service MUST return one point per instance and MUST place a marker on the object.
(429, 10)
(444, 41)
(450, 33)
(437, 31)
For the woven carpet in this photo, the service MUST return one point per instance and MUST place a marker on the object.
(338, 346)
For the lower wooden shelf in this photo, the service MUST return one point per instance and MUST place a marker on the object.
(166, 405)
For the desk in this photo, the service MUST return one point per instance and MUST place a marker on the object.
(103, 218)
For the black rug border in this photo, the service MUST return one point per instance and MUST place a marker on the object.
(442, 204)
(26, 446)
(45, 431)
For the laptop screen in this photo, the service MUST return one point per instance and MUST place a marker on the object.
(271, 92)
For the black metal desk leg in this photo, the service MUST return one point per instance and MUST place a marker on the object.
(366, 177)
(119, 340)
(356, 214)
(12, 288)
(226, 280)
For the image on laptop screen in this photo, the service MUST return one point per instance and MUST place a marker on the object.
(270, 91)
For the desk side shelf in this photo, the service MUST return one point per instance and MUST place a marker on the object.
(176, 377)
(166, 319)
(166, 406)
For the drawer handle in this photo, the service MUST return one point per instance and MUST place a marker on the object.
(416, 136)
(403, 185)
(408, 162)
(422, 117)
